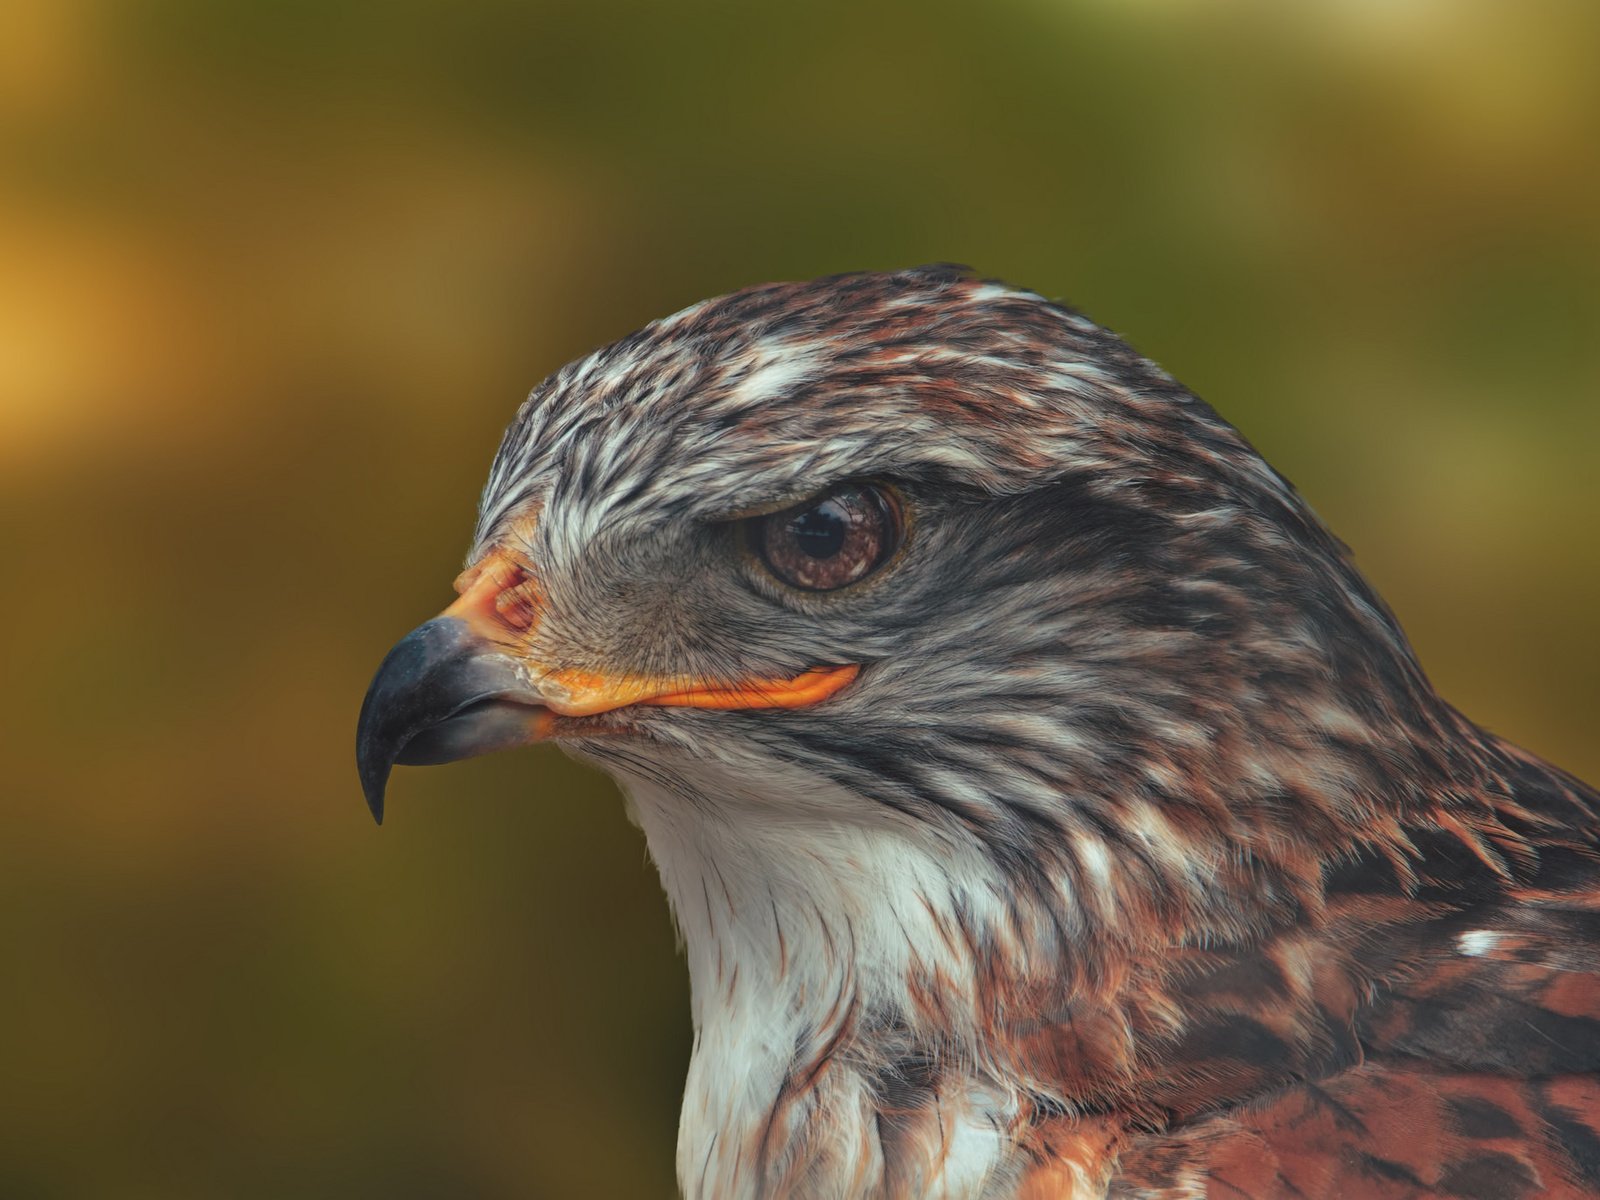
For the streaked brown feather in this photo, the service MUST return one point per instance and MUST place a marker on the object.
(1214, 895)
(1433, 1032)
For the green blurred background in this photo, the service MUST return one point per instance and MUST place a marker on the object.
(274, 276)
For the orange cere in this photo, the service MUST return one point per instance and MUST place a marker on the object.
(498, 595)
(500, 599)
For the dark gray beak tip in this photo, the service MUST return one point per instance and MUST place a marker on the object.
(374, 759)
(440, 695)
(373, 785)
(401, 700)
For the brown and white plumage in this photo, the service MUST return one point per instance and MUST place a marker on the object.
(1104, 839)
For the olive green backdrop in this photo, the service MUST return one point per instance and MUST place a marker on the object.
(274, 276)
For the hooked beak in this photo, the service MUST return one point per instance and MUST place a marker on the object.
(444, 693)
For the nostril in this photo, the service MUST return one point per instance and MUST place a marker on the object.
(498, 589)
(518, 604)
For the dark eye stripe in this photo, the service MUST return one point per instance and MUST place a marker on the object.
(830, 541)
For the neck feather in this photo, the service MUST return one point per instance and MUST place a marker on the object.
(830, 965)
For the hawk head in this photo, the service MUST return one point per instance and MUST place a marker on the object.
(950, 654)
(910, 549)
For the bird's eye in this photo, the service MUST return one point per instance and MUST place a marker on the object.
(830, 541)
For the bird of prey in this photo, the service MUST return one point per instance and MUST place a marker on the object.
(1048, 806)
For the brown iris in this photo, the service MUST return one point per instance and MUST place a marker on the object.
(830, 541)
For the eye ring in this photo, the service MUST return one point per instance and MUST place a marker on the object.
(831, 540)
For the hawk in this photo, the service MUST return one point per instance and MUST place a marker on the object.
(1049, 807)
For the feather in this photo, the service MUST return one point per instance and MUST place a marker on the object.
(1138, 856)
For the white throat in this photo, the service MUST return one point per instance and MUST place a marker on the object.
(819, 943)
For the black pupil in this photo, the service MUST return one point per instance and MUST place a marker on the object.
(820, 531)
